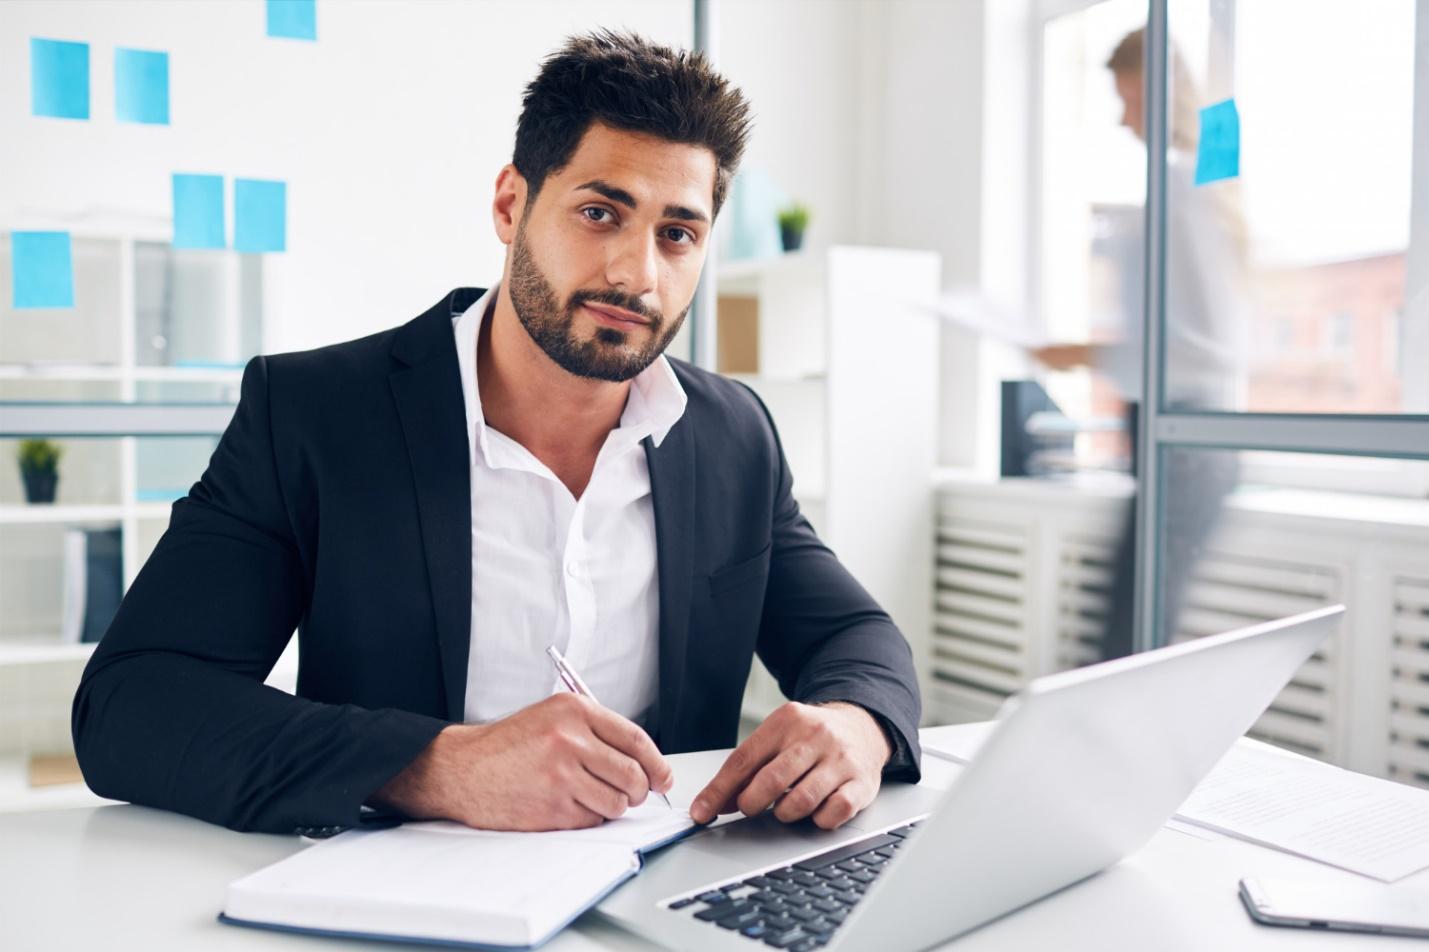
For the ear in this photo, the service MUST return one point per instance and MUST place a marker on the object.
(509, 203)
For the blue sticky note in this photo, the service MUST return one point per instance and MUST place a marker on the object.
(59, 79)
(1218, 151)
(260, 215)
(141, 86)
(42, 269)
(293, 19)
(198, 211)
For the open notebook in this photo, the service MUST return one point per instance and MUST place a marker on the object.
(446, 883)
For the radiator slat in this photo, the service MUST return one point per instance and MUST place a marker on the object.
(982, 583)
(951, 626)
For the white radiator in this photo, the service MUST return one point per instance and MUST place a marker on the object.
(1023, 574)
(980, 610)
(1409, 683)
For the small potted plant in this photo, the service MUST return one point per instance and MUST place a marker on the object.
(792, 222)
(40, 469)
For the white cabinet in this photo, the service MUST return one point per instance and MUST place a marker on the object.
(841, 348)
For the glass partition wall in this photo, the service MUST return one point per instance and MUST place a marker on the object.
(1283, 443)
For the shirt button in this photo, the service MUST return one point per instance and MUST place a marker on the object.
(573, 570)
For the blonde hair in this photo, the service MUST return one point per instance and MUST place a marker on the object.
(1182, 128)
(1185, 99)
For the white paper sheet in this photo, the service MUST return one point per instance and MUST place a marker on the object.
(956, 742)
(1363, 824)
(970, 309)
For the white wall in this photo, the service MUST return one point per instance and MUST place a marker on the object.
(951, 175)
(799, 62)
(389, 131)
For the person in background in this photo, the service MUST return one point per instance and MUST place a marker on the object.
(1204, 277)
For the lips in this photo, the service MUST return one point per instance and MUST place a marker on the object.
(615, 315)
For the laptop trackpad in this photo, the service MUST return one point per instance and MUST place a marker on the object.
(752, 838)
(764, 840)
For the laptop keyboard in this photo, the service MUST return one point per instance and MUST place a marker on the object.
(797, 907)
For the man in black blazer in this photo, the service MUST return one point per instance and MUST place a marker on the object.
(340, 502)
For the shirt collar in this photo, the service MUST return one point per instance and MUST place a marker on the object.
(655, 403)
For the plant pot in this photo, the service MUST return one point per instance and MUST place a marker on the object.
(791, 238)
(39, 486)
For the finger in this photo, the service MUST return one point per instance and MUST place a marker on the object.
(598, 796)
(626, 736)
(577, 817)
(843, 804)
(718, 795)
(810, 793)
(619, 771)
(775, 777)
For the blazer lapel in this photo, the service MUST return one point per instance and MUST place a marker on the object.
(427, 391)
(672, 488)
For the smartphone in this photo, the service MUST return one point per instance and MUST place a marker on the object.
(1348, 907)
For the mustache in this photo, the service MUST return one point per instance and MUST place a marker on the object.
(615, 299)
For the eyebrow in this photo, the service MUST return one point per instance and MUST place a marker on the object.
(625, 198)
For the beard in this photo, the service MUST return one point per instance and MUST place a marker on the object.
(608, 354)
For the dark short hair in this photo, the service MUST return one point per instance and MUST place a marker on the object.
(628, 83)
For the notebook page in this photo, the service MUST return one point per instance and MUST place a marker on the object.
(640, 828)
(499, 888)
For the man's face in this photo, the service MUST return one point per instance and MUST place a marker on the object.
(605, 261)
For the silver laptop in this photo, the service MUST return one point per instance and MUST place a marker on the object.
(1082, 768)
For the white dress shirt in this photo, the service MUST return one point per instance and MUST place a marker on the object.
(547, 568)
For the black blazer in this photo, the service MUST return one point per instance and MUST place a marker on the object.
(338, 503)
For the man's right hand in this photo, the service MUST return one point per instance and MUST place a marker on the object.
(562, 763)
(1064, 356)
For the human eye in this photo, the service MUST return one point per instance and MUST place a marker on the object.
(597, 214)
(680, 236)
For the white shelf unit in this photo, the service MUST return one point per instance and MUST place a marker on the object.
(104, 372)
(1023, 567)
(150, 325)
(847, 364)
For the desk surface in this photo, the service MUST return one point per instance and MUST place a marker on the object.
(125, 877)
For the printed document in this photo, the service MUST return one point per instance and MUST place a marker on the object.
(1363, 824)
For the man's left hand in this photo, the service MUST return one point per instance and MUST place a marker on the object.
(824, 760)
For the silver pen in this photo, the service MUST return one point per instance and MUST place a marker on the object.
(573, 682)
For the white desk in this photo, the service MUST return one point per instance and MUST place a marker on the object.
(122, 877)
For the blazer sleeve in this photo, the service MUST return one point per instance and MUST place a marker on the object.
(172, 712)
(824, 637)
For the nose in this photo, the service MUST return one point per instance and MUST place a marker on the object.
(633, 264)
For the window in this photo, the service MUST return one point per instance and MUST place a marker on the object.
(1309, 253)
(1314, 232)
